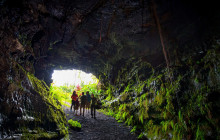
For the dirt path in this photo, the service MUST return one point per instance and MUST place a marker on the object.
(101, 128)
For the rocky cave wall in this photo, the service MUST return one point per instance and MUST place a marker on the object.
(119, 42)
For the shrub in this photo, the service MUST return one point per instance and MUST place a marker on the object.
(74, 124)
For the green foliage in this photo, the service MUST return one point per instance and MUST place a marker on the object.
(199, 134)
(62, 94)
(108, 112)
(92, 88)
(165, 106)
(109, 93)
(141, 136)
(74, 124)
(133, 129)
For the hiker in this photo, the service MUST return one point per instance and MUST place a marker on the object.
(76, 107)
(74, 97)
(88, 97)
(93, 105)
(83, 103)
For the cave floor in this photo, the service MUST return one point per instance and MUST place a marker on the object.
(102, 128)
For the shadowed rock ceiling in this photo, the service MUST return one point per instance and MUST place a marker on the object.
(88, 35)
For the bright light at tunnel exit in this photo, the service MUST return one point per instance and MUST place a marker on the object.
(72, 77)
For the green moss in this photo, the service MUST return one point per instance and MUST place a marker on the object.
(54, 113)
(74, 124)
(38, 133)
(46, 136)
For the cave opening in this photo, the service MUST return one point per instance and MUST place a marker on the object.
(158, 65)
(69, 80)
(72, 77)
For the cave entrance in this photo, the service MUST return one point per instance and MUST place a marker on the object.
(66, 81)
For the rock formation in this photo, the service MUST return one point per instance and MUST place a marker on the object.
(158, 62)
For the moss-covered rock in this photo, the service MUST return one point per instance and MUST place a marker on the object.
(172, 104)
(31, 110)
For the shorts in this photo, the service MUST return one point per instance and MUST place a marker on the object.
(83, 105)
(73, 102)
(76, 107)
(88, 104)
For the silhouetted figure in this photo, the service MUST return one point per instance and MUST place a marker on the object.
(93, 106)
(83, 103)
(74, 97)
(88, 97)
(76, 107)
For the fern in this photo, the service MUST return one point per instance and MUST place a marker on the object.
(199, 134)
(133, 129)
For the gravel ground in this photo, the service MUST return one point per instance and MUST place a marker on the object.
(102, 128)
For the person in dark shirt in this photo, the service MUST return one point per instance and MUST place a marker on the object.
(83, 103)
(88, 101)
(93, 106)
